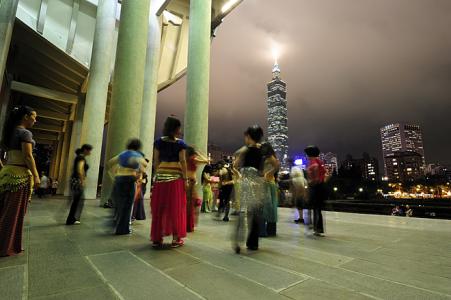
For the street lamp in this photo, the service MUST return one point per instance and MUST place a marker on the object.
(335, 189)
(360, 189)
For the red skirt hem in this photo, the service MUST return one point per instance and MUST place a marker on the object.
(168, 206)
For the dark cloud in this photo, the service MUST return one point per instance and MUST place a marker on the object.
(350, 66)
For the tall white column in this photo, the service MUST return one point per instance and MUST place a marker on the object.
(97, 94)
(149, 100)
(125, 112)
(8, 9)
(198, 75)
(74, 144)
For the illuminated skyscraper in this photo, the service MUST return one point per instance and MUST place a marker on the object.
(278, 117)
(401, 138)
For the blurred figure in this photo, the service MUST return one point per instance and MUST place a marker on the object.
(207, 203)
(54, 186)
(316, 177)
(409, 211)
(271, 200)
(298, 188)
(16, 177)
(43, 186)
(193, 201)
(250, 161)
(139, 212)
(225, 189)
(168, 202)
(77, 184)
(126, 169)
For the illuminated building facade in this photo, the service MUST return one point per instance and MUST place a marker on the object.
(401, 137)
(404, 166)
(330, 161)
(278, 117)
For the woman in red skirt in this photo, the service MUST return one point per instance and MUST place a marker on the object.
(168, 204)
(16, 178)
(193, 203)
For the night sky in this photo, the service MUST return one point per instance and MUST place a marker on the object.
(350, 66)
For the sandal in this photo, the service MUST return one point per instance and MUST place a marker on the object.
(177, 243)
(157, 245)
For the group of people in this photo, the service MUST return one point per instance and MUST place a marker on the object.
(251, 177)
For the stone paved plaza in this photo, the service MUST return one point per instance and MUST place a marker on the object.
(362, 257)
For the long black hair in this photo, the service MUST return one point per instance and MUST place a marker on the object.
(80, 151)
(255, 132)
(171, 126)
(207, 169)
(13, 120)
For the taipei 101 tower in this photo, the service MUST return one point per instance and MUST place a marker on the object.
(278, 117)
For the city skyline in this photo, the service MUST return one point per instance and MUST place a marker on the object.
(352, 68)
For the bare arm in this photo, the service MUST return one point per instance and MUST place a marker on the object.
(81, 171)
(111, 163)
(239, 158)
(182, 158)
(275, 164)
(27, 150)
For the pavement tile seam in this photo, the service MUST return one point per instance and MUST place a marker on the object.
(65, 293)
(257, 261)
(397, 282)
(25, 292)
(226, 270)
(336, 286)
(99, 273)
(168, 277)
(297, 247)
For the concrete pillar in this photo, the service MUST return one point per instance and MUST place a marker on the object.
(59, 151)
(8, 10)
(198, 77)
(128, 82)
(74, 143)
(97, 94)
(149, 100)
(64, 164)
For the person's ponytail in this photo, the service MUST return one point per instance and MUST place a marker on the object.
(14, 118)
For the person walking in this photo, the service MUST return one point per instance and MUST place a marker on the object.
(125, 168)
(225, 190)
(316, 176)
(271, 200)
(17, 177)
(207, 192)
(299, 191)
(250, 161)
(139, 212)
(77, 184)
(193, 201)
(43, 186)
(54, 186)
(168, 203)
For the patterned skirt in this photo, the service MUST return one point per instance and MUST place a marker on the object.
(270, 202)
(15, 190)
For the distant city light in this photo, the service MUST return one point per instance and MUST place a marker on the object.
(299, 162)
(229, 5)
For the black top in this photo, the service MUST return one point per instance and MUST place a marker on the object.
(169, 149)
(253, 157)
(78, 159)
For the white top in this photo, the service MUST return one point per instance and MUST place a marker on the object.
(44, 182)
